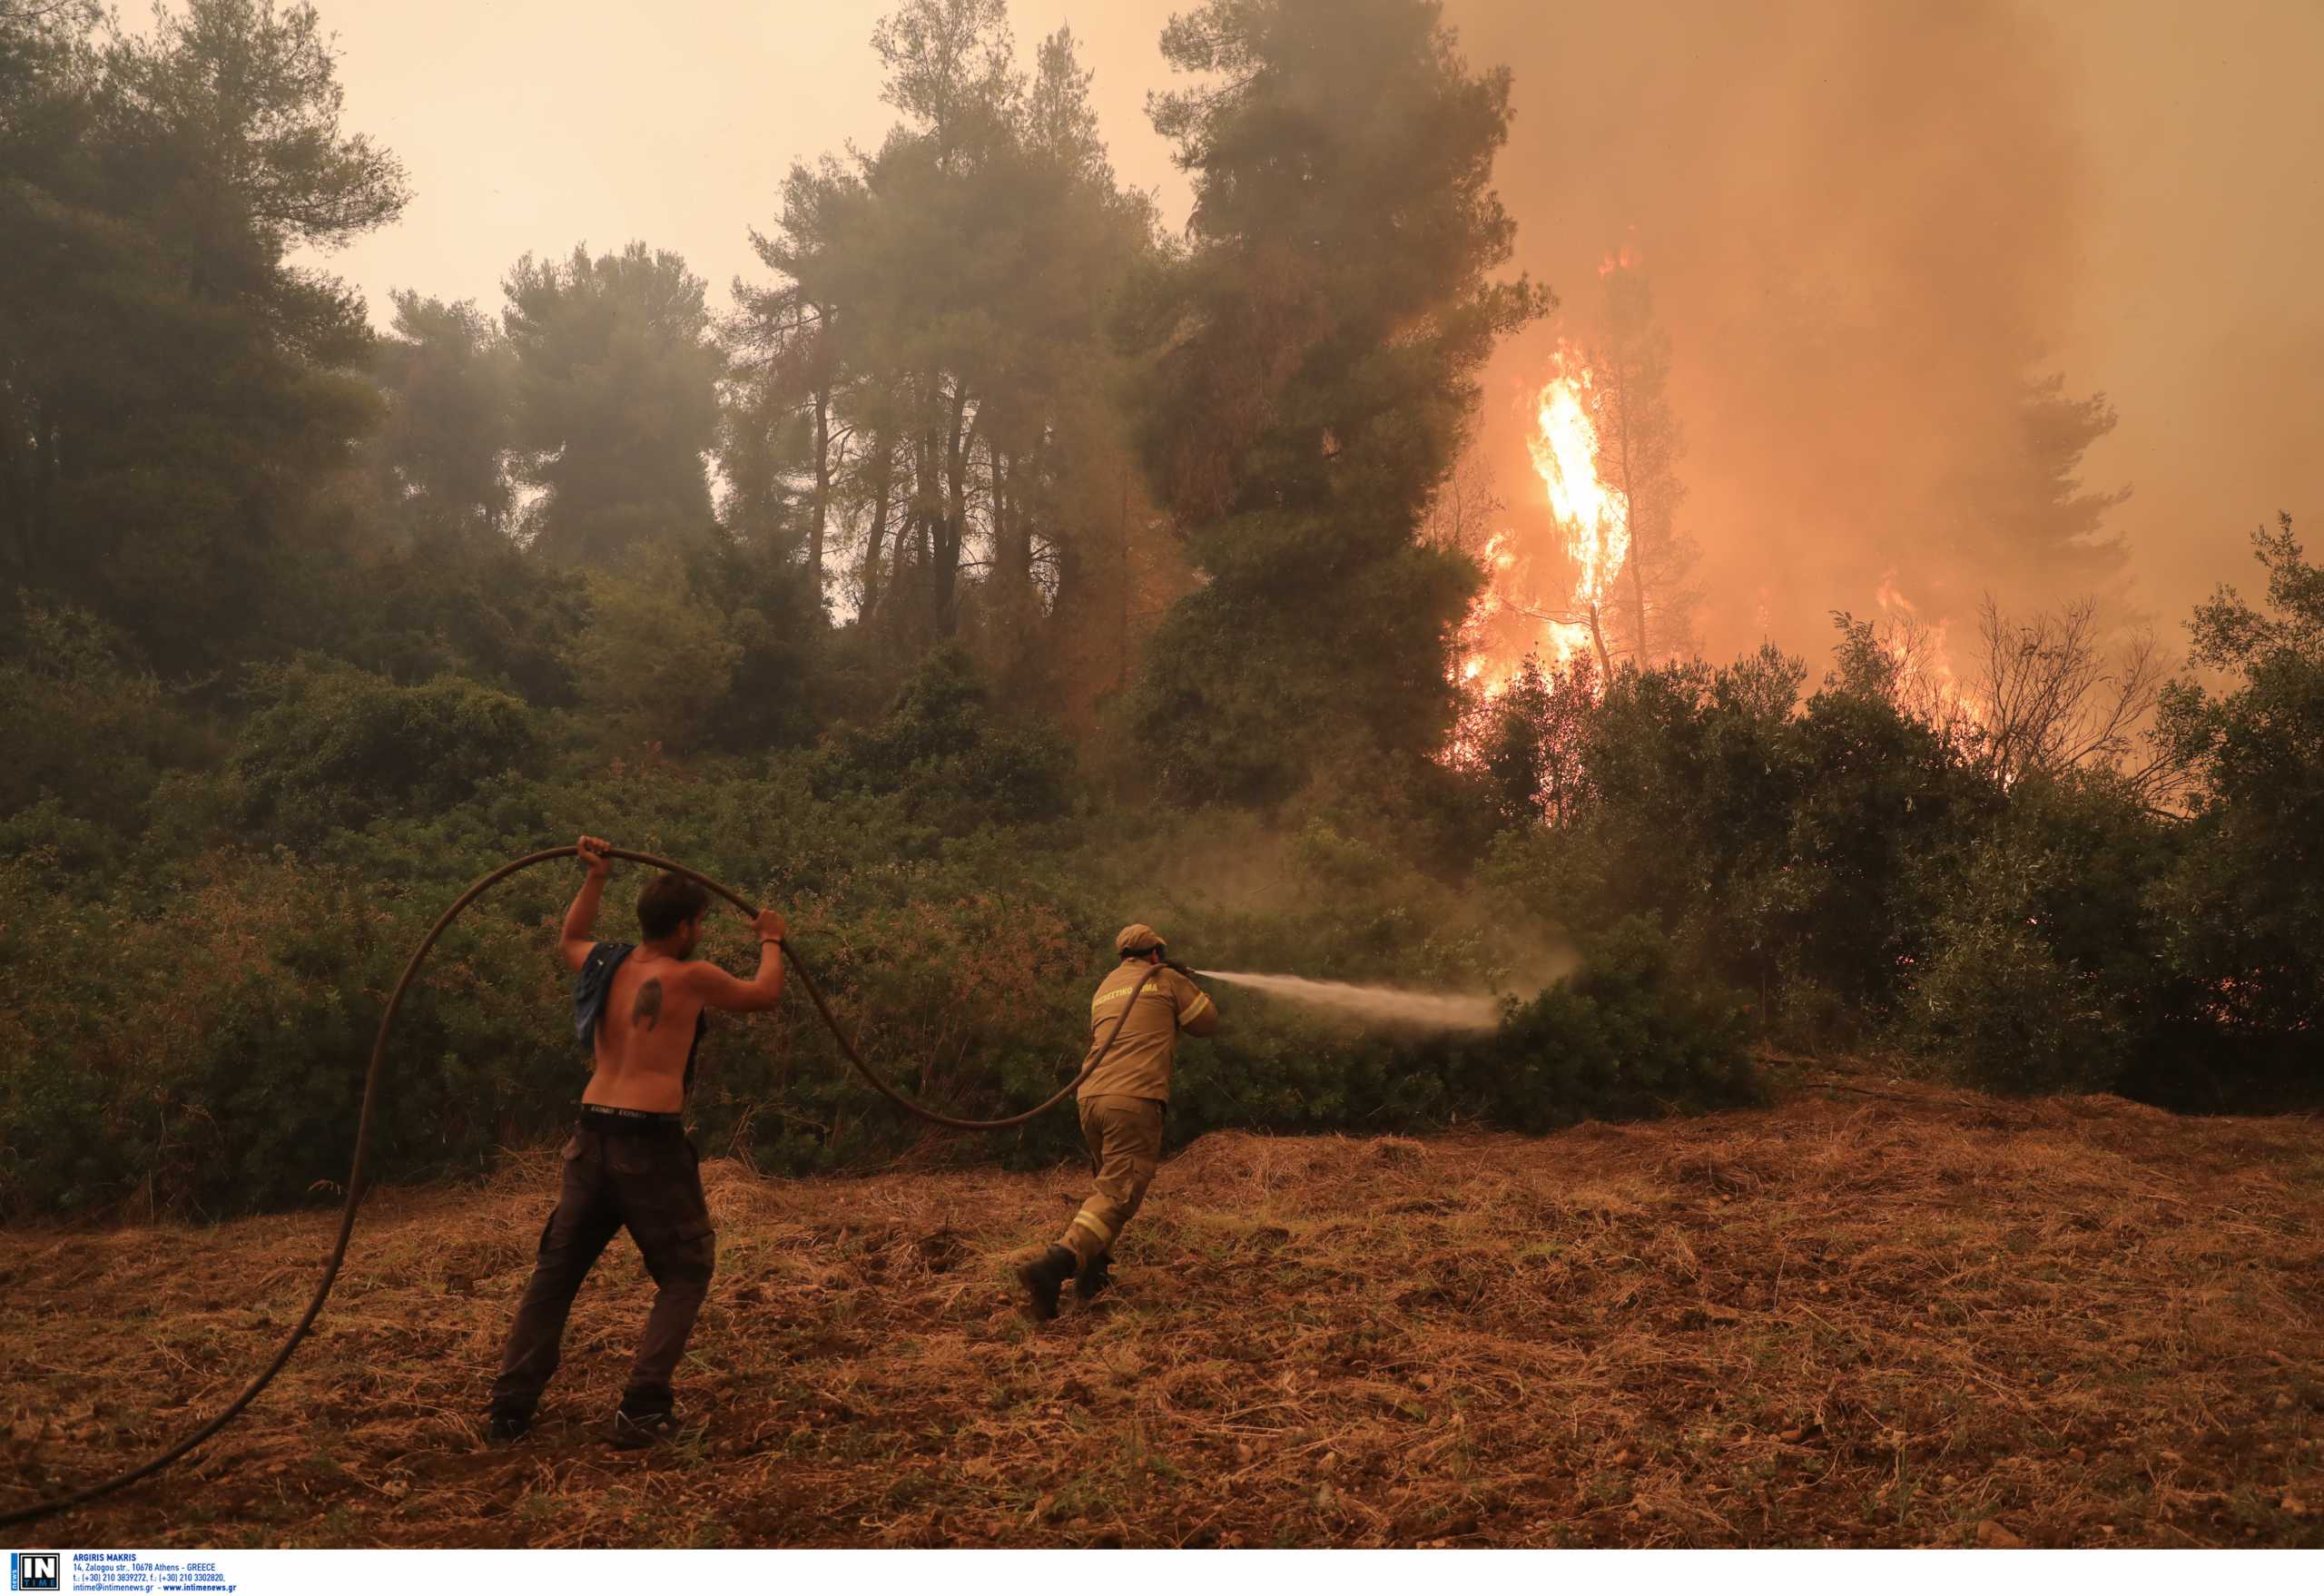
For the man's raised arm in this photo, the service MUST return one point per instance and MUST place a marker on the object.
(580, 932)
(762, 990)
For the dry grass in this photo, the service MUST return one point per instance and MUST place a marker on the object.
(1852, 1319)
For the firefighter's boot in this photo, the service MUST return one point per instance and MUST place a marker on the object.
(1094, 1276)
(1043, 1277)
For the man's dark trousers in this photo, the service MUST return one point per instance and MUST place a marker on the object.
(642, 1173)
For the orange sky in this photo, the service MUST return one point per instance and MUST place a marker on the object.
(2125, 192)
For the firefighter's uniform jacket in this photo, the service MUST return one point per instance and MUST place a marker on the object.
(1123, 1100)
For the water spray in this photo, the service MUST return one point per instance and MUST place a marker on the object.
(1382, 1005)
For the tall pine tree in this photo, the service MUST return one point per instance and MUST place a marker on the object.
(1320, 347)
(171, 385)
(617, 400)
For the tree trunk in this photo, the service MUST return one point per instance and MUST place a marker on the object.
(883, 477)
(28, 475)
(822, 485)
(1122, 585)
(926, 511)
(15, 487)
(1637, 592)
(1636, 558)
(951, 525)
(1012, 553)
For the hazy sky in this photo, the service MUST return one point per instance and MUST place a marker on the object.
(536, 124)
(2123, 192)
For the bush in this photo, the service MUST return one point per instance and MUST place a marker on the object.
(2044, 971)
(1775, 843)
(88, 732)
(2243, 908)
(1625, 1036)
(653, 662)
(214, 1040)
(457, 600)
(955, 763)
(65, 846)
(207, 1055)
(777, 689)
(332, 747)
(1994, 1002)
(1621, 1037)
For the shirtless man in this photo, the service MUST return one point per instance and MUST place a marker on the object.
(629, 1162)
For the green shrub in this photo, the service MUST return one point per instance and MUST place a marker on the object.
(206, 1053)
(214, 1039)
(2042, 969)
(88, 734)
(1994, 1002)
(1622, 1037)
(2242, 908)
(458, 600)
(65, 845)
(653, 663)
(955, 763)
(332, 747)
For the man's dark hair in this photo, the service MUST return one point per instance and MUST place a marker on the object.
(668, 901)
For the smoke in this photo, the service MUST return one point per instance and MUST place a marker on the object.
(1869, 228)
(1865, 222)
(1375, 1005)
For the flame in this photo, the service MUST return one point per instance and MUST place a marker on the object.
(1593, 519)
(1923, 653)
(1511, 620)
(1485, 663)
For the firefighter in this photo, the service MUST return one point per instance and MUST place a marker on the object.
(1122, 1104)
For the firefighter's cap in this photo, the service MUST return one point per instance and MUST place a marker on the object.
(1137, 938)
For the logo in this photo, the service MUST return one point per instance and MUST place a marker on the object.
(35, 1571)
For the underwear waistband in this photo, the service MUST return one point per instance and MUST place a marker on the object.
(599, 1117)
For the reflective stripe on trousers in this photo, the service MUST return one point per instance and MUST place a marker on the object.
(1125, 1138)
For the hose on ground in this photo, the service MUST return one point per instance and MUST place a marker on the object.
(371, 1078)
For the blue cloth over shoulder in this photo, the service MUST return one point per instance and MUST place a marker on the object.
(593, 986)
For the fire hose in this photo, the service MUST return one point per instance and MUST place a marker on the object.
(355, 1179)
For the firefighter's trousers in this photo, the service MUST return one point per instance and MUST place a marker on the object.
(1125, 1136)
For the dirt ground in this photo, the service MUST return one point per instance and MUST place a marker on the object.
(1916, 1318)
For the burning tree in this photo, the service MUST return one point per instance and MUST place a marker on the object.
(1614, 583)
(1551, 603)
(1593, 517)
(1639, 448)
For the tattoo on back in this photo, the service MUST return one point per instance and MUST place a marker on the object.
(647, 1007)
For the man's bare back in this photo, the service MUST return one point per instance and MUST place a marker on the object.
(647, 1035)
(657, 996)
